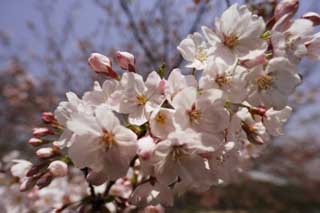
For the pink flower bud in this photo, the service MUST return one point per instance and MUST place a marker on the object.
(314, 17)
(45, 152)
(58, 168)
(44, 180)
(286, 7)
(126, 61)
(48, 117)
(146, 146)
(35, 169)
(41, 131)
(27, 184)
(35, 142)
(102, 64)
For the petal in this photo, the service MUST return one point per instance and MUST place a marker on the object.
(185, 98)
(86, 151)
(187, 49)
(82, 124)
(106, 118)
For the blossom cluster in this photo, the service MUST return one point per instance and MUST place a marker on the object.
(157, 137)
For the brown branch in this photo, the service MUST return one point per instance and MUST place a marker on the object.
(166, 30)
(228, 3)
(136, 33)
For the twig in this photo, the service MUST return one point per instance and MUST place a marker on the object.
(136, 33)
(228, 3)
(133, 161)
(108, 187)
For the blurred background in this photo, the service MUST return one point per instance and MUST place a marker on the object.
(44, 46)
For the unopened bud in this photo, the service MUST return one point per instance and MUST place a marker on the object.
(27, 184)
(126, 61)
(146, 146)
(35, 169)
(250, 63)
(58, 168)
(314, 17)
(44, 180)
(48, 117)
(41, 131)
(102, 64)
(35, 142)
(285, 7)
(45, 152)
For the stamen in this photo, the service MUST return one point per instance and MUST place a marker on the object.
(161, 118)
(264, 82)
(201, 54)
(141, 99)
(230, 41)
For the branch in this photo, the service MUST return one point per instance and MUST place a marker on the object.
(228, 3)
(166, 30)
(194, 26)
(136, 33)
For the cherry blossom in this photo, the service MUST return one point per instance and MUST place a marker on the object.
(237, 34)
(104, 144)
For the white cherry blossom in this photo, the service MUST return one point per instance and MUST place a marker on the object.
(203, 112)
(162, 122)
(237, 35)
(177, 82)
(195, 50)
(271, 87)
(101, 143)
(139, 99)
(230, 79)
(178, 161)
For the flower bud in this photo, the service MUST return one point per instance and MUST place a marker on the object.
(41, 131)
(58, 168)
(48, 117)
(126, 61)
(286, 7)
(314, 17)
(44, 180)
(102, 64)
(35, 169)
(27, 184)
(35, 142)
(45, 152)
(146, 146)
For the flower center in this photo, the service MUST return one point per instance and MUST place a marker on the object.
(221, 80)
(264, 82)
(230, 41)
(178, 152)
(141, 99)
(194, 115)
(161, 118)
(107, 138)
(201, 54)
